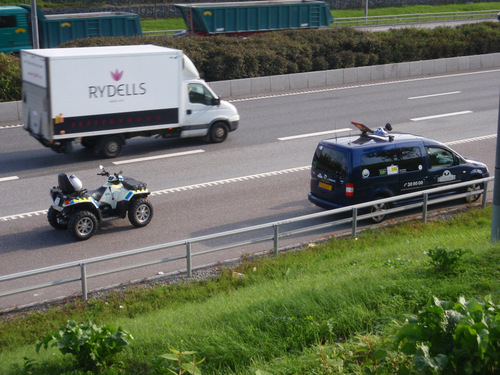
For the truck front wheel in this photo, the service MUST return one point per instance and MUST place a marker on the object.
(218, 132)
(111, 147)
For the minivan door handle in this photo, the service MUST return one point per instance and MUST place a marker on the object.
(189, 111)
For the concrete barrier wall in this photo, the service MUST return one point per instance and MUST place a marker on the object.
(12, 111)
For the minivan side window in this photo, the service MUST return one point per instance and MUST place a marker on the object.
(440, 157)
(400, 160)
(376, 163)
(410, 159)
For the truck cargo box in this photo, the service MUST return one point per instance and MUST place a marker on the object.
(249, 17)
(56, 29)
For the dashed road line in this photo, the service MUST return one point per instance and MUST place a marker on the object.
(148, 158)
(10, 178)
(11, 126)
(441, 116)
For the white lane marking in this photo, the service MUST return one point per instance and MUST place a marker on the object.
(440, 116)
(313, 134)
(461, 141)
(434, 95)
(10, 126)
(11, 178)
(22, 216)
(231, 180)
(158, 157)
(337, 88)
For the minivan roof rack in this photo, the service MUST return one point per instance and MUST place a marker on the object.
(380, 134)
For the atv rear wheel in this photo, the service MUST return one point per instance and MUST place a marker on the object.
(140, 212)
(54, 219)
(82, 225)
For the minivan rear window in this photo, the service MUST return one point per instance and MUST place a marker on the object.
(331, 160)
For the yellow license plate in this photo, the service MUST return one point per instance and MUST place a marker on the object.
(325, 186)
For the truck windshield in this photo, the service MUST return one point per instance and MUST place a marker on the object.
(200, 94)
(332, 161)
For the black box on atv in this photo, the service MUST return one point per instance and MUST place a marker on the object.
(132, 184)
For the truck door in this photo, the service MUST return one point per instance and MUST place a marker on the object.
(201, 109)
(444, 166)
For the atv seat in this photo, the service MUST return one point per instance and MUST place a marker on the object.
(97, 194)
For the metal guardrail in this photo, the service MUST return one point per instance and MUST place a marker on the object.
(414, 18)
(424, 201)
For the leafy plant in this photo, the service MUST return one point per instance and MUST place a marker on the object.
(454, 338)
(444, 259)
(93, 346)
(183, 366)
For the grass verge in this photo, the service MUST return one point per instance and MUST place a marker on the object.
(283, 312)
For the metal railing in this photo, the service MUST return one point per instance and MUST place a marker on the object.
(415, 18)
(424, 200)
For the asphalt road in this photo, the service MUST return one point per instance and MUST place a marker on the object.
(259, 174)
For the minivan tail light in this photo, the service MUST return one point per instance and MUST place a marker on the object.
(349, 190)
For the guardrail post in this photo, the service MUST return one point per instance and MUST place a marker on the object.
(188, 259)
(83, 272)
(354, 221)
(276, 235)
(424, 207)
(485, 192)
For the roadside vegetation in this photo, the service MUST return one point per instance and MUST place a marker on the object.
(411, 298)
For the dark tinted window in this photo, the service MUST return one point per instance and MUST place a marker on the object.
(7, 21)
(410, 159)
(393, 161)
(378, 163)
(331, 160)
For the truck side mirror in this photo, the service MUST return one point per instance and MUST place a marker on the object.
(216, 101)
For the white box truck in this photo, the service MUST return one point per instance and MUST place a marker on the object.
(102, 96)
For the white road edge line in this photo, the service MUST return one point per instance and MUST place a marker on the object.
(158, 157)
(440, 116)
(314, 134)
(434, 95)
(11, 178)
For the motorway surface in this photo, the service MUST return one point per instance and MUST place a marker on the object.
(259, 174)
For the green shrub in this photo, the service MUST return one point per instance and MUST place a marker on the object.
(445, 260)
(94, 347)
(10, 78)
(454, 338)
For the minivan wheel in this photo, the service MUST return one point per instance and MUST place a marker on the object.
(379, 207)
(472, 188)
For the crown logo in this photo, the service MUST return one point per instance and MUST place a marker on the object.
(116, 75)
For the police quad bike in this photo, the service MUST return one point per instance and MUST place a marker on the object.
(81, 211)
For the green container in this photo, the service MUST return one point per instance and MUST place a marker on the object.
(57, 29)
(249, 17)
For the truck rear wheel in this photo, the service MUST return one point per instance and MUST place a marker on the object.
(111, 147)
(218, 132)
(82, 225)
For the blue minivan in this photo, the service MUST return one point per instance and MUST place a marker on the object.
(357, 169)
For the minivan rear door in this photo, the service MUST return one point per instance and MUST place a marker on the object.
(413, 174)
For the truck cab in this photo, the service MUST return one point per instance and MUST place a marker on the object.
(15, 32)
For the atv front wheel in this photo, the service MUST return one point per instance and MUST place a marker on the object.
(140, 212)
(54, 219)
(82, 225)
